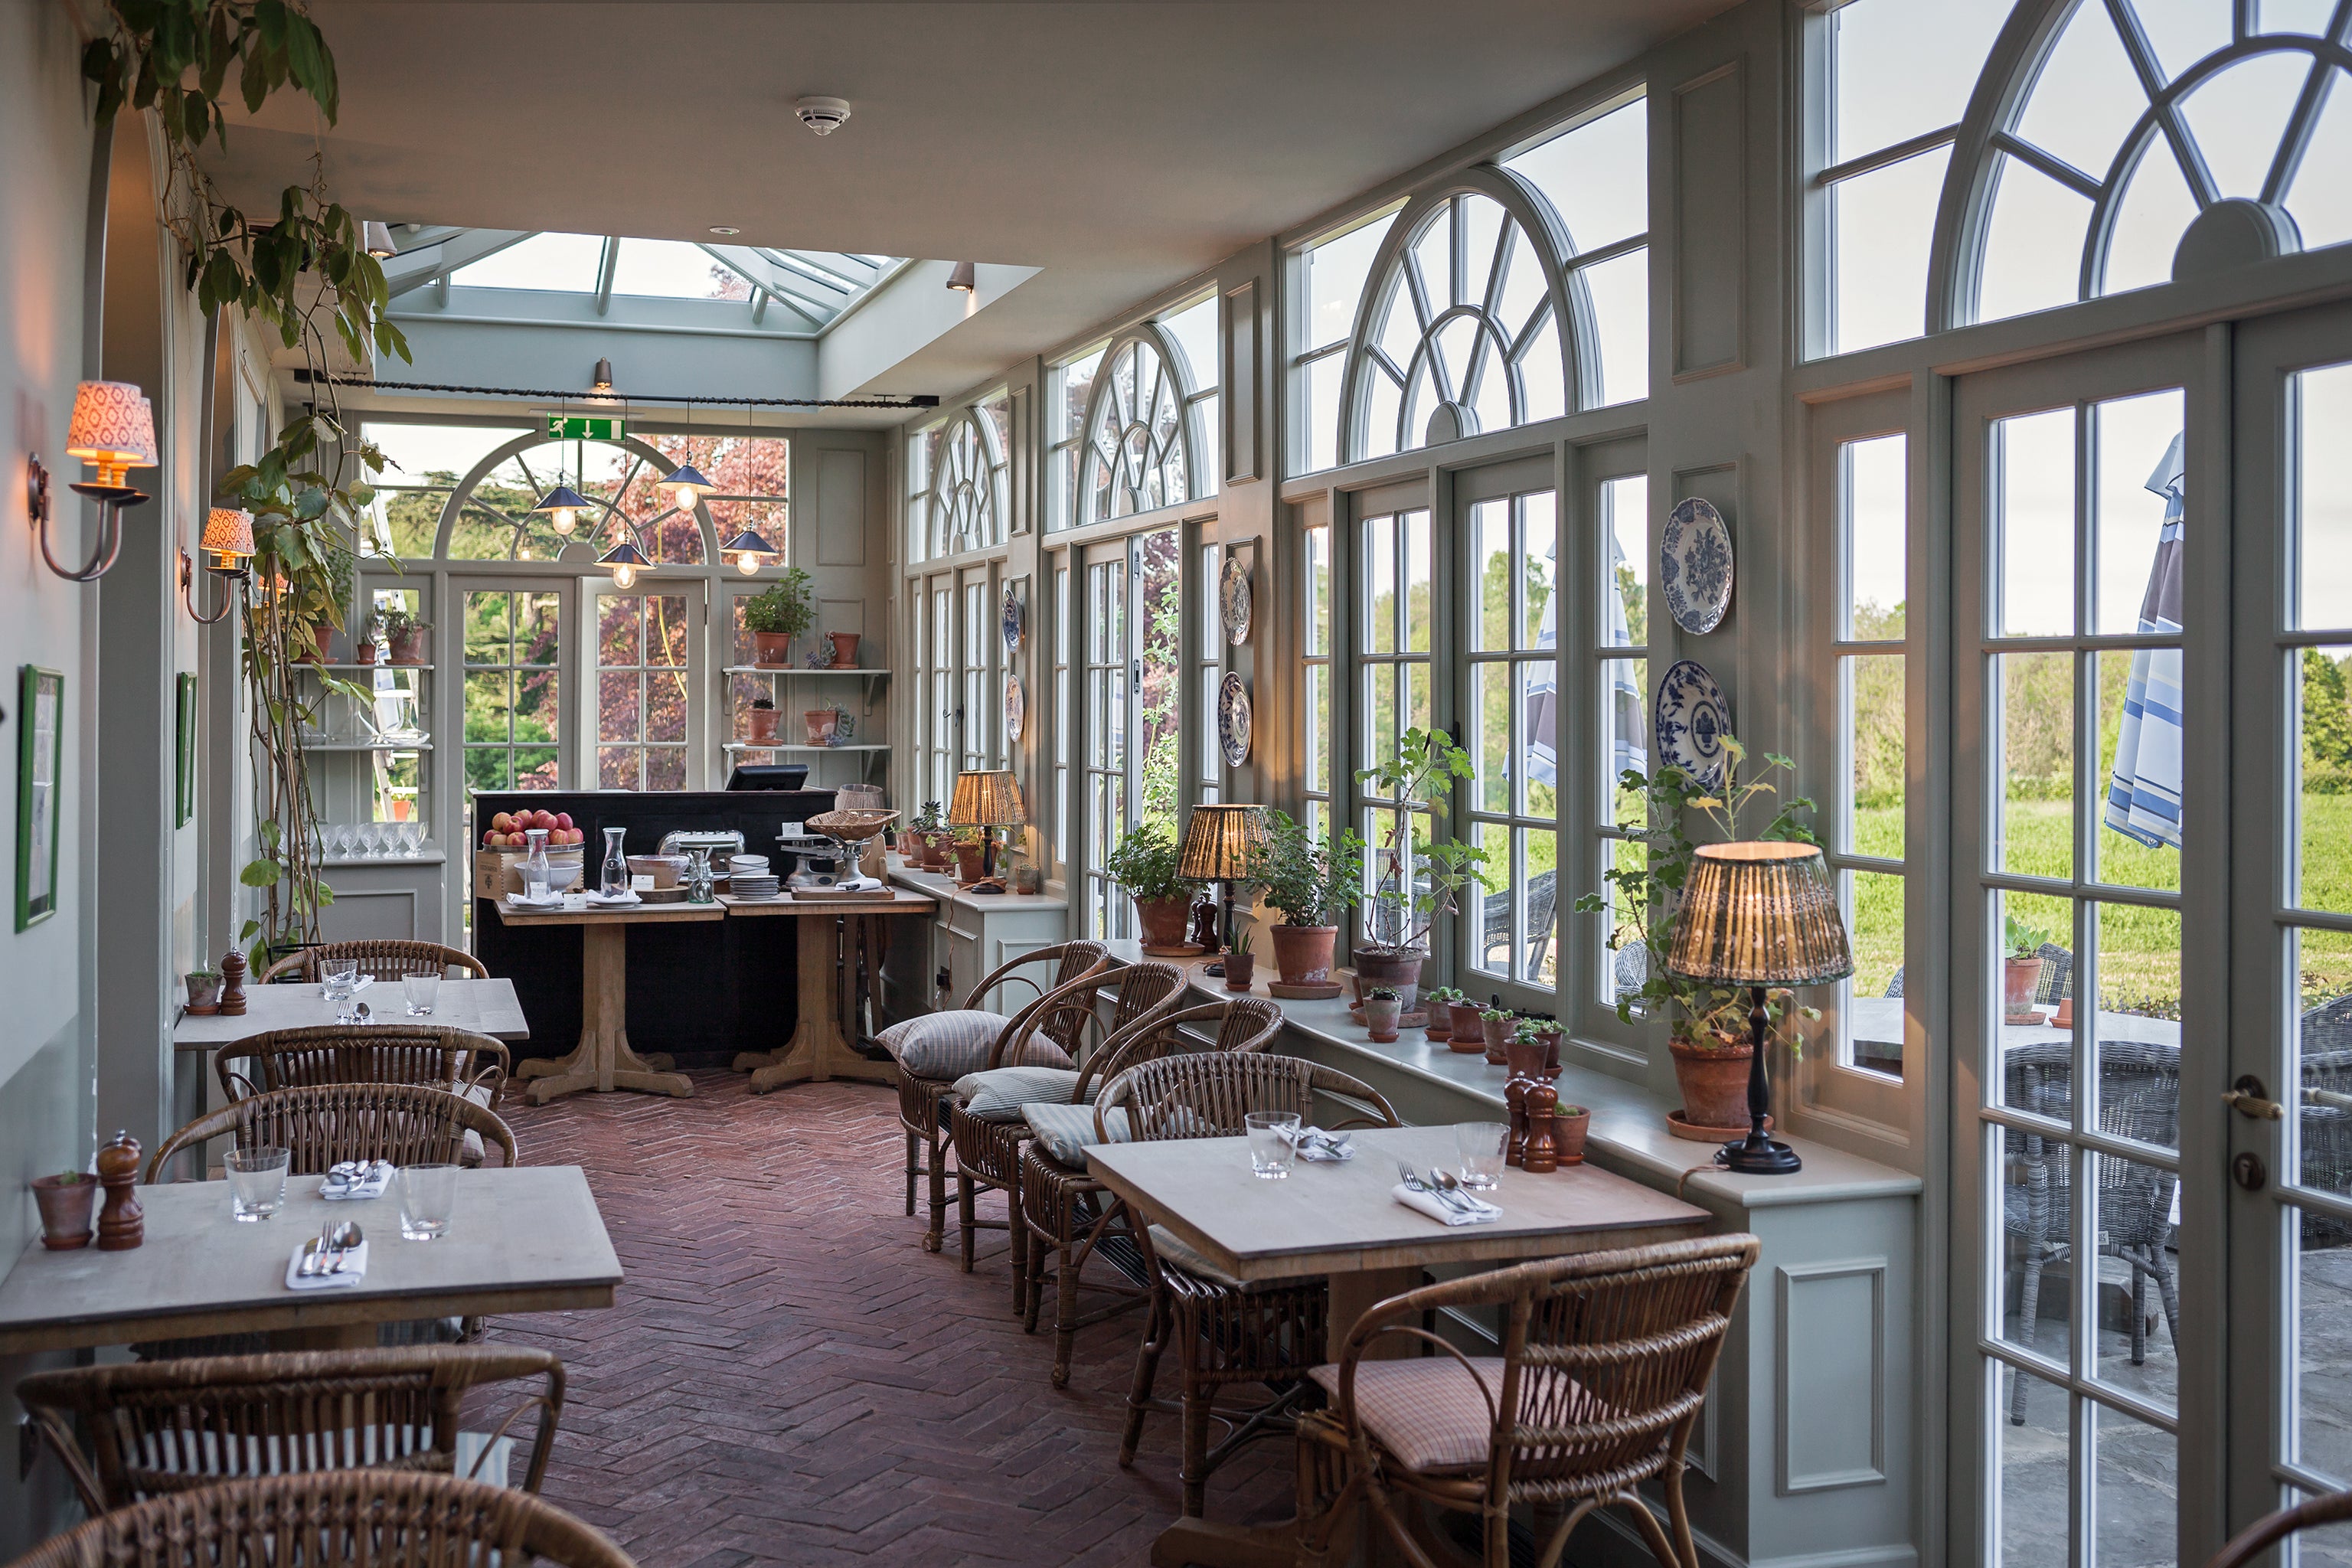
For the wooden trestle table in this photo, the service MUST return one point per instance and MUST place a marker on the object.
(819, 1049)
(603, 1060)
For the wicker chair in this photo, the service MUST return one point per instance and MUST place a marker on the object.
(1604, 1366)
(2328, 1508)
(174, 1426)
(1062, 1207)
(379, 960)
(455, 1060)
(330, 1519)
(988, 1153)
(2323, 1117)
(323, 1124)
(1495, 937)
(922, 1102)
(1226, 1333)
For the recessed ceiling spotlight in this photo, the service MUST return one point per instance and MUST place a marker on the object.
(821, 115)
(724, 228)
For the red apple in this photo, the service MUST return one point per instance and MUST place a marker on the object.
(563, 820)
(503, 822)
(544, 819)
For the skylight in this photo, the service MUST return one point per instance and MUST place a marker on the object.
(666, 269)
(563, 263)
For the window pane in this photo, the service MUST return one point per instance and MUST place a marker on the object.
(2323, 497)
(2135, 1492)
(1380, 551)
(2134, 1221)
(1195, 332)
(1336, 271)
(1596, 175)
(1490, 533)
(1534, 748)
(1873, 504)
(2137, 1041)
(1624, 736)
(1874, 750)
(1319, 590)
(2137, 505)
(2323, 878)
(2034, 1468)
(1902, 70)
(617, 713)
(2033, 243)
(1494, 740)
(1620, 315)
(2093, 94)
(1875, 924)
(1626, 527)
(1493, 893)
(1319, 729)
(1416, 568)
(2155, 207)
(1540, 561)
(2035, 766)
(2034, 454)
(2140, 741)
(1884, 222)
(1324, 377)
(489, 769)
(2323, 1346)
(2321, 197)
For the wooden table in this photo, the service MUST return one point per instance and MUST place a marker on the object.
(818, 1049)
(528, 1239)
(486, 1006)
(1341, 1220)
(603, 1060)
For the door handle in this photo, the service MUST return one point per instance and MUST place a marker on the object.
(2247, 1099)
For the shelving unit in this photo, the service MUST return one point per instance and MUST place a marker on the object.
(777, 672)
(865, 753)
(367, 745)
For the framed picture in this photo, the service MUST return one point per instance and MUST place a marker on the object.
(40, 756)
(183, 775)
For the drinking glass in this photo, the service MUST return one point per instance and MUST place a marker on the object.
(340, 977)
(369, 840)
(421, 990)
(1270, 1142)
(427, 1193)
(412, 839)
(1481, 1145)
(256, 1182)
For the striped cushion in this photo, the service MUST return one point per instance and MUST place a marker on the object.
(1426, 1411)
(998, 1094)
(1068, 1131)
(945, 1047)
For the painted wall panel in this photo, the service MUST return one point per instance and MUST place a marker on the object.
(1710, 195)
(840, 508)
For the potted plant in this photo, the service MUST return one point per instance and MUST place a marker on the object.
(970, 853)
(1311, 881)
(1417, 881)
(844, 649)
(2020, 973)
(820, 725)
(405, 633)
(1241, 963)
(1382, 1006)
(1145, 864)
(763, 721)
(1467, 1036)
(928, 835)
(363, 645)
(778, 614)
(1708, 1030)
(66, 1201)
(203, 992)
(1494, 1027)
(1570, 1124)
(1439, 1005)
(1547, 1031)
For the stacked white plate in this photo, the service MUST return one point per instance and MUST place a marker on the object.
(763, 886)
(747, 865)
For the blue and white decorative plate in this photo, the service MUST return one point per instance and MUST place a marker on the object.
(1016, 708)
(1694, 721)
(1233, 600)
(1013, 619)
(1694, 566)
(1234, 721)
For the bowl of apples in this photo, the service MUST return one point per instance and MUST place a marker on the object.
(511, 829)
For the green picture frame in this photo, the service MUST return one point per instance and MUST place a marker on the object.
(184, 754)
(40, 767)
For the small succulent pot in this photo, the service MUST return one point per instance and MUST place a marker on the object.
(760, 724)
(1570, 1123)
(325, 637)
(1495, 1027)
(1549, 1033)
(1523, 1053)
(1467, 1034)
(66, 1206)
(203, 992)
(820, 725)
(1440, 1028)
(363, 651)
(845, 649)
(1241, 968)
(1381, 1008)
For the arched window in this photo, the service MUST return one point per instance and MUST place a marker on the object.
(1143, 447)
(967, 487)
(489, 515)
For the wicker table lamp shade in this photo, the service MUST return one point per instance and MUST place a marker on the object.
(987, 799)
(1221, 842)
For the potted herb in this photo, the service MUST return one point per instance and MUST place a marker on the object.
(1311, 881)
(1383, 1007)
(1417, 881)
(2020, 974)
(66, 1201)
(405, 633)
(1439, 1005)
(203, 992)
(763, 721)
(929, 833)
(1241, 963)
(1708, 1030)
(778, 614)
(1494, 1027)
(1145, 864)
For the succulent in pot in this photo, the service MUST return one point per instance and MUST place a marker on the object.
(1382, 1006)
(1146, 864)
(1495, 1026)
(66, 1201)
(762, 720)
(929, 836)
(1439, 1005)
(1241, 963)
(1570, 1125)
(971, 854)
(203, 992)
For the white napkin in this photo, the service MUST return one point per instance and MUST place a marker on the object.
(613, 900)
(1479, 1211)
(1319, 1147)
(354, 1265)
(352, 1179)
(519, 901)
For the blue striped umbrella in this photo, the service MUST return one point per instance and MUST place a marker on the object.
(2144, 793)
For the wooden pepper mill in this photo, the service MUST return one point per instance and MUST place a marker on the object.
(232, 1002)
(122, 1224)
(1542, 1156)
(1515, 1096)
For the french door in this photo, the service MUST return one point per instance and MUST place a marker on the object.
(646, 730)
(1131, 696)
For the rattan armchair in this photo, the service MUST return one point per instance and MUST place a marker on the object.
(2327, 1508)
(174, 1426)
(321, 1125)
(1604, 1366)
(455, 1060)
(988, 1153)
(1067, 1212)
(1228, 1333)
(331, 1519)
(922, 1102)
(379, 960)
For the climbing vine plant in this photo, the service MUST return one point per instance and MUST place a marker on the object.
(305, 272)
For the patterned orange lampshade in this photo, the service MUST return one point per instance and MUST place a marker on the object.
(113, 429)
(229, 537)
(987, 799)
(1221, 841)
(1759, 914)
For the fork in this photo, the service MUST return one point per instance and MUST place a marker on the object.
(1413, 1179)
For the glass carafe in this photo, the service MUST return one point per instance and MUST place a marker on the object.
(617, 864)
(535, 875)
(698, 876)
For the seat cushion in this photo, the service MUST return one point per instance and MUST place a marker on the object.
(1426, 1411)
(1174, 1250)
(946, 1047)
(998, 1094)
(1067, 1132)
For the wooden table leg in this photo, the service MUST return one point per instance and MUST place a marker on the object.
(819, 1051)
(1353, 1295)
(602, 1062)
(334, 1337)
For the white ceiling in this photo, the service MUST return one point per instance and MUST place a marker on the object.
(1119, 146)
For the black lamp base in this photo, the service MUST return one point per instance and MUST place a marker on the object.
(1216, 968)
(1759, 1157)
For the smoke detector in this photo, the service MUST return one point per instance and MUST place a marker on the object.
(821, 115)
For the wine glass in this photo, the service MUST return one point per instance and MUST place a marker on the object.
(371, 841)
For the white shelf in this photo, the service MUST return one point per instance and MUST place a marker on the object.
(430, 858)
(787, 670)
(780, 746)
(367, 745)
(379, 664)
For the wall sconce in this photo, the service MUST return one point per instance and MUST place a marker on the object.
(748, 547)
(112, 430)
(964, 279)
(228, 540)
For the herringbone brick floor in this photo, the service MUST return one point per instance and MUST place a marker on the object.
(787, 1377)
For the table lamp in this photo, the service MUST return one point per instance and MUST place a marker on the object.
(988, 801)
(1220, 844)
(1759, 914)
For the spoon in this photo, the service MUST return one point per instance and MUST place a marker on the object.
(1447, 1182)
(344, 1240)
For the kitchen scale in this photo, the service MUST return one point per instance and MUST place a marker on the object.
(827, 857)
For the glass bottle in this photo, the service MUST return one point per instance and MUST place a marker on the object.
(617, 864)
(698, 876)
(535, 874)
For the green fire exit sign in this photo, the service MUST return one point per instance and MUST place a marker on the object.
(585, 427)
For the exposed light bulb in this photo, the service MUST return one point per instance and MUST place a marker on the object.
(748, 564)
(683, 498)
(624, 575)
(564, 520)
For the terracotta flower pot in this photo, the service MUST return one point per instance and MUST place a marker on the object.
(760, 724)
(65, 1211)
(1713, 1083)
(772, 647)
(363, 651)
(1166, 922)
(1524, 1058)
(1549, 1034)
(408, 646)
(2018, 978)
(969, 858)
(1380, 1014)
(1570, 1124)
(1399, 970)
(325, 637)
(1467, 1036)
(204, 994)
(820, 725)
(845, 649)
(939, 849)
(1303, 954)
(1440, 1028)
(1241, 968)
(1496, 1033)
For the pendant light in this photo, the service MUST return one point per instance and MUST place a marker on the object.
(748, 546)
(562, 504)
(686, 486)
(625, 558)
